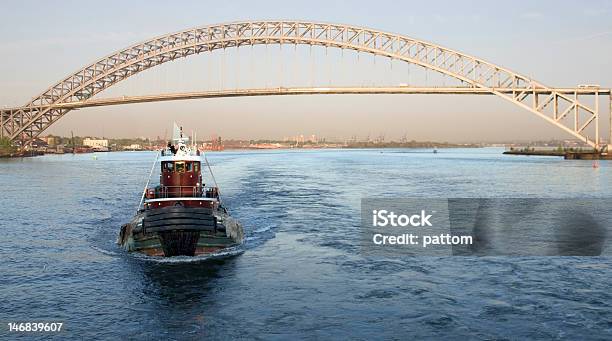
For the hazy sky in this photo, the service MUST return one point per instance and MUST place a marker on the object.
(560, 43)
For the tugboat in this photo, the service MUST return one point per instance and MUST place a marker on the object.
(181, 216)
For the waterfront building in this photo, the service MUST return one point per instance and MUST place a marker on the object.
(95, 143)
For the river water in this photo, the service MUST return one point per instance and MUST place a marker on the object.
(301, 274)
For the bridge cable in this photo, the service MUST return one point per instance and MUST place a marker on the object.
(222, 73)
(408, 69)
(390, 71)
(311, 66)
(328, 60)
(358, 63)
(342, 66)
(374, 68)
(252, 80)
(280, 64)
(237, 70)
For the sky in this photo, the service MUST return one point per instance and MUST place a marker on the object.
(559, 43)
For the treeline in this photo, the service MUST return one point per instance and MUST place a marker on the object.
(6, 146)
(130, 141)
(78, 140)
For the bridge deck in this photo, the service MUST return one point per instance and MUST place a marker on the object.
(316, 91)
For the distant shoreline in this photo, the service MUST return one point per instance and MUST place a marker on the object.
(14, 155)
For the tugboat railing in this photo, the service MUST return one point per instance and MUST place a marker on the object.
(187, 191)
(179, 191)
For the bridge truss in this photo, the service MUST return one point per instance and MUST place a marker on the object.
(565, 109)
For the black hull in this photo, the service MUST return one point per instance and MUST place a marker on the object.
(179, 243)
(179, 218)
(179, 231)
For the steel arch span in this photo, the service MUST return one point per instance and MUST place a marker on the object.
(558, 108)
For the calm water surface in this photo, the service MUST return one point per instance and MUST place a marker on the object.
(301, 274)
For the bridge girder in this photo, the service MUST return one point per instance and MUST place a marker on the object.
(554, 106)
(285, 91)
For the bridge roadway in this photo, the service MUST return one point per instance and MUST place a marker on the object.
(280, 91)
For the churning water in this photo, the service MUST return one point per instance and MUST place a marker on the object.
(301, 273)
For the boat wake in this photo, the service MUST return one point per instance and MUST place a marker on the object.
(262, 229)
(106, 252)
(258, 236)
(225, 253)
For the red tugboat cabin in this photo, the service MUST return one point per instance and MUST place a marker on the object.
(180, 181)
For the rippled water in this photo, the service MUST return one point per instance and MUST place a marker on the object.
(301, 274)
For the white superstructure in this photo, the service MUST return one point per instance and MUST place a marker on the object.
(181, 151)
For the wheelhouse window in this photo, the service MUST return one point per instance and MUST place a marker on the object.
(179, 167)
(168, 166)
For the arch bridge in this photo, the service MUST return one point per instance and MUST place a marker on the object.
(564, 108)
